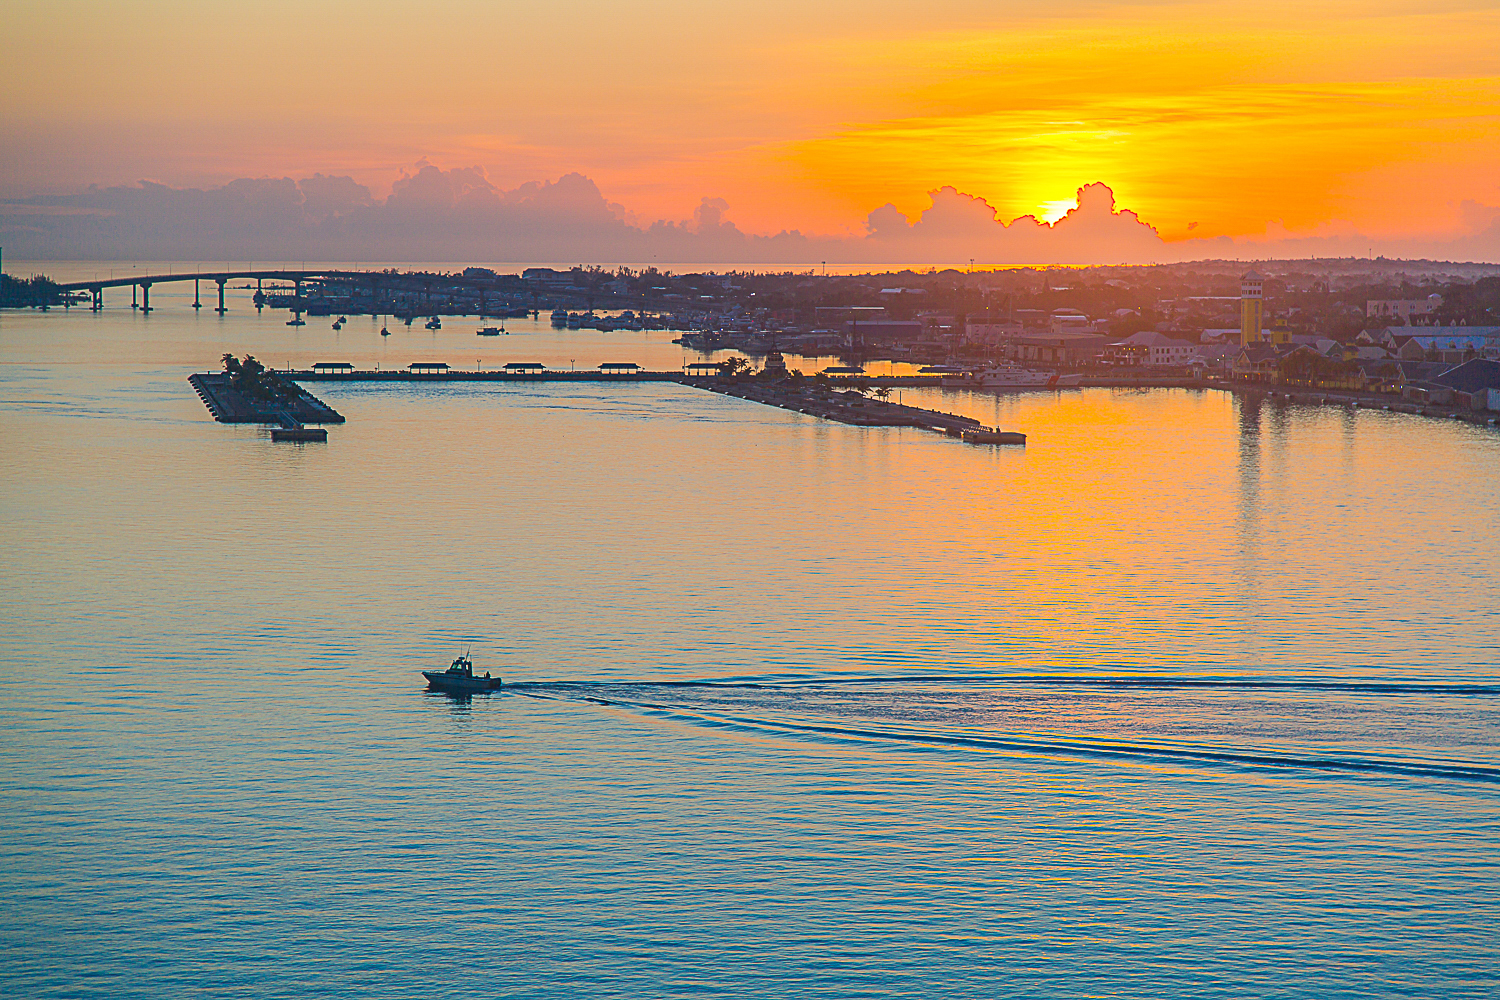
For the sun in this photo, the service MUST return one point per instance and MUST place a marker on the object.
(1051, 211)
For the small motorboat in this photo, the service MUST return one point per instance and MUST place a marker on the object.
(384, 332)
(489, 331)
(459, 679)
(434, 324)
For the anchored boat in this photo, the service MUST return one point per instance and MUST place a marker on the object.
(459, 679)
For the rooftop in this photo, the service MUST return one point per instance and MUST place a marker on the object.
(1471, 376)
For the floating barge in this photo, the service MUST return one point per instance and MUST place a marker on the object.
(299, 434)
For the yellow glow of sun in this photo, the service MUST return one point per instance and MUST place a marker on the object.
(1051, 211)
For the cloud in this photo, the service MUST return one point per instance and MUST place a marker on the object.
(960, 226)
(1477, 218)
(323, 196)
(433, 214)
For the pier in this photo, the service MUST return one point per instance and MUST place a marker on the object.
(839, 400)
(537, 372)
(848, 406)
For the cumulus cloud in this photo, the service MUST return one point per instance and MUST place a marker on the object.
(437, 214)
(958, 226)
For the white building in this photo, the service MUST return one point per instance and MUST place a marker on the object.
(1154, 349)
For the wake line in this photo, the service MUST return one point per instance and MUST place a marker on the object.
(1053, 680)
(1101, 750)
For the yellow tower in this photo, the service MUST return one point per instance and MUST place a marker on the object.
(1250, 309)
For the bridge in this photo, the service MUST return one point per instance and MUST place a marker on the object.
(377, 280)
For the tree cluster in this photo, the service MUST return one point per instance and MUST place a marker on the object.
(254, 381)
(38, 291)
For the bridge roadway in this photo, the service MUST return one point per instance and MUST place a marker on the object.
(376, 279)
(161, 279)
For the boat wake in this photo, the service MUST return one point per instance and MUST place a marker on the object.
(1331, 726)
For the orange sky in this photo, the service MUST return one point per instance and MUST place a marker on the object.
(1376, 115)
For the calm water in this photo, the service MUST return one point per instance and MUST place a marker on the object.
(1185, 698)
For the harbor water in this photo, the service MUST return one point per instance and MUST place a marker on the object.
(1190, 696)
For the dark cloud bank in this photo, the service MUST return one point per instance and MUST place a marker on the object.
(458, 215)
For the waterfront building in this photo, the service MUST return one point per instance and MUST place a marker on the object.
(1058, 349)
(1256, 362)
(1475, 384)
(1151, 348)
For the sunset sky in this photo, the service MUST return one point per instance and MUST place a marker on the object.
(1232, 118)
